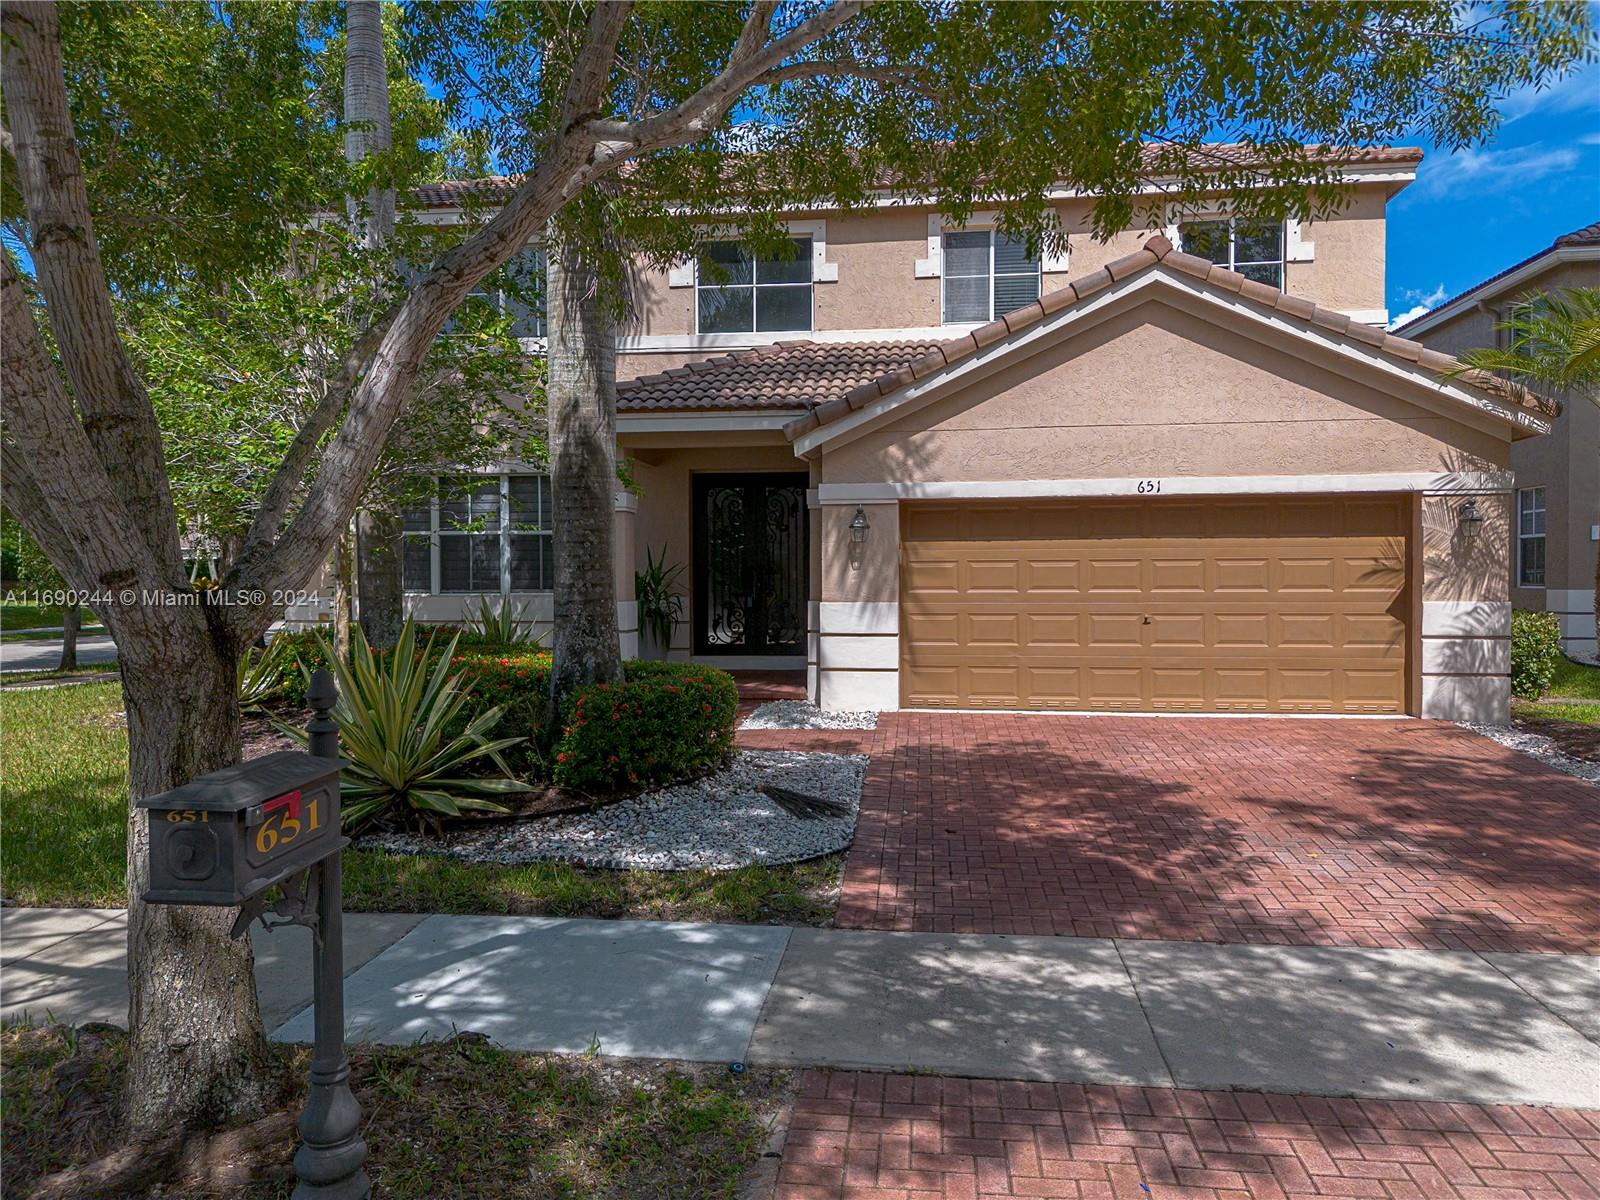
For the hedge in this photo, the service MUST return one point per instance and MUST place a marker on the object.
(1535, 652)
(667, 721)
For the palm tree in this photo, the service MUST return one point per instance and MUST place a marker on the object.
(1552, 344)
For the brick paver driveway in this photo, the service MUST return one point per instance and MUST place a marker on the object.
(900, 1137)
(1406, 834)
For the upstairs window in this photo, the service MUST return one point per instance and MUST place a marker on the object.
(518, 289)
(736, 292)
(480, 533)
(1252, 248)
(1530, 537)
(986, 275)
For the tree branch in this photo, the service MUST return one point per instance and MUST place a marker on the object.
(591, 71)
(116, 411)
(287, 479)
(27, 503)
(101, 547)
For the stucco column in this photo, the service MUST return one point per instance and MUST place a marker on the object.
(625, 558)
(858, 642)
(1466, 608)
(813, 586)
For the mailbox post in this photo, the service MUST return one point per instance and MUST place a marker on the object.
(228, 838)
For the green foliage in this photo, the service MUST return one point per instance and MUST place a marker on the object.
(991, 105)
(666, 721)
(395, 714)
(660, 606)
(303, 653)
(1535, 652)
(232, 377)
(1552, 343)
(515, 679)
(502, 623)
(263, 675)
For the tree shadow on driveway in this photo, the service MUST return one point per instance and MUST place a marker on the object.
(1398, 834)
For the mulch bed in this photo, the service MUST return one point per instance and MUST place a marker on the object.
(1572, 737)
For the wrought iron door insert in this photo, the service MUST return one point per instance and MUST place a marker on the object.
(750, 564)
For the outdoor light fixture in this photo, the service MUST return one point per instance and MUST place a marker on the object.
(859, 526)
(1470, 518)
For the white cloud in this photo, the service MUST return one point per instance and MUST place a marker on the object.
(1410, 314)
(1571, 92)
(1424, 301)
(1590, 139)
(1494, 170)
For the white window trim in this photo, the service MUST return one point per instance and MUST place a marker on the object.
(980, 223)
(1527, 537)
(1176, 219)
(932, 267)
(685, 274)
(435, 533)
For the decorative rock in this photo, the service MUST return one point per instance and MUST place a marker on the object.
(716, 823)
(1536, 745)
(802, 714)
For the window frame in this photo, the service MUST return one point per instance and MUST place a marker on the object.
(807, 255)
(505, 532)
(944, 272)
(1233, 263)
(1538, 509)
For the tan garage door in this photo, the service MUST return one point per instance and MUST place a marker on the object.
(1261, 605)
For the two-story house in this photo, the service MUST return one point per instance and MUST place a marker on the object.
(1184, 470)
(1555, 531)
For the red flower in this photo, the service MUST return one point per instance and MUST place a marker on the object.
(562, 757)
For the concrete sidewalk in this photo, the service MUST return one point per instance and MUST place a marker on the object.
(1413, 1024)
(43, 656)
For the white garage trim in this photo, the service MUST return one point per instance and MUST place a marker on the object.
(1474, 482)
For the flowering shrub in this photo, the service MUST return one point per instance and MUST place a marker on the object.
(302, 654)
(515, 679)
(667, 721)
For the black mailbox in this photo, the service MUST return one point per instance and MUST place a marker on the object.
(230, 835)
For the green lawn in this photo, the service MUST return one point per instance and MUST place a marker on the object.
(443, 1119)
(64, 790)
(109, 670)
(28, 616)
(1575, 681)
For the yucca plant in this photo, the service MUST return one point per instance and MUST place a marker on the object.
(263, 675)
(503, 624)
(394, 713)
(660, 607)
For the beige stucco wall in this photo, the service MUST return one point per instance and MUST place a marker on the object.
(1158, 392)
(1566, 463)
(876, 253)
(665, 500)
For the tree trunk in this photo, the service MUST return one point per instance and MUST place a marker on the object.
(378, 584)
(71, 618)
(197, 1052)
(366, 114)
(341, 598)
(581, 397)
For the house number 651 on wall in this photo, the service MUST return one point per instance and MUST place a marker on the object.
(1149, 487)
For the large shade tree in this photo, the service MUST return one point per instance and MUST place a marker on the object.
(975, 103)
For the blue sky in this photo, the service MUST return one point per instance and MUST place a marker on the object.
(1476, 212)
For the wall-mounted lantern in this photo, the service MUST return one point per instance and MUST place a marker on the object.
(1470, 518)
(859, 527)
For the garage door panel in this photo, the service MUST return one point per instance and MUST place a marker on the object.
(1293, 605)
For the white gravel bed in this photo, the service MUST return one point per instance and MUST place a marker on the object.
(716, 823)
(802, 714)
(1536, 745)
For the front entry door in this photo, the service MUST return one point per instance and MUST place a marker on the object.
(750, 564)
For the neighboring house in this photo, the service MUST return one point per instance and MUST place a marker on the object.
(1556, 533)
(935, 471)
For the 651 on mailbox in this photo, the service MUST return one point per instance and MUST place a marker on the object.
(226, 837)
